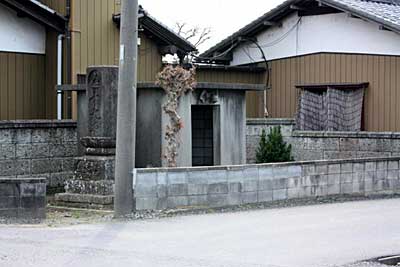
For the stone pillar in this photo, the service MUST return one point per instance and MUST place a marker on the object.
(93, 182)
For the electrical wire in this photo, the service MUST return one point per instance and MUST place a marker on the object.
(220, 55)
(266, 113)
(270, 44)
(248, 54)
(283, 37)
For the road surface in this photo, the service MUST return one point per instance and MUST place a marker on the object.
(322, 235)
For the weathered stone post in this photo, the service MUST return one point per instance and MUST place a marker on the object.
(93, 182)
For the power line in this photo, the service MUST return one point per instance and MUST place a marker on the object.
(283, 37)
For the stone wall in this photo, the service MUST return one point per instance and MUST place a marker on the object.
(157, 189)
(38, 149)
(315, 145)
(254, 129)
(22, 199)
(333, 145)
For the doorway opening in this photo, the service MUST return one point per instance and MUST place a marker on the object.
(202, 135)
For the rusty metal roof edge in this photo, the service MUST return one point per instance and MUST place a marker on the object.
(211, 85)
(333, 85)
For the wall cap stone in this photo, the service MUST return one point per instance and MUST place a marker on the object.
(268, 165)
(210, 85)
(35, 124)
(267, 122)
(14, 180)
(332, 134)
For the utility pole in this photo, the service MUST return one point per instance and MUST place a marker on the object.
(126, 114)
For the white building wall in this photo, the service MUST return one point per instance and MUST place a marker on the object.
(20, 35)
(337, 33)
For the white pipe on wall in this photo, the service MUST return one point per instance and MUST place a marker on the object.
(59, 75)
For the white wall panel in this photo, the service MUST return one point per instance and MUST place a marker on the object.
(21, 35)
(336, 33)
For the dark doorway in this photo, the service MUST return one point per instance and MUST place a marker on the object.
(202, 136)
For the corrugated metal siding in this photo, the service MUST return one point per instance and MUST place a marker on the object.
(51, 75)
(51, 65)
(22, 86)
(95, 39)
(381, 112)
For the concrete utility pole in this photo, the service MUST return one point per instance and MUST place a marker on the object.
(126, 115)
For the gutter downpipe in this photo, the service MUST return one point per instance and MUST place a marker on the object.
(59, 74)
(68, 59)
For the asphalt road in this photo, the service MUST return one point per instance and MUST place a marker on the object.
(323, 235)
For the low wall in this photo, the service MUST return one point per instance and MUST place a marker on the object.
(38, 149)
(254, 129)
(22, 200)
(341, 145)
(157, 189)
(313, 145)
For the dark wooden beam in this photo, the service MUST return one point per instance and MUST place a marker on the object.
(351, 15)
(168, 49)
(296, 7)
(71, 87)
(383, 28)
(272, 23)
(323, 86)
(313, 11)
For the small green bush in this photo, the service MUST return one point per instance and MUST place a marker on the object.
(273, 148)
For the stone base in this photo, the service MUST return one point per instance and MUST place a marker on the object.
(95, 168)
(102, 187)
(85, 201)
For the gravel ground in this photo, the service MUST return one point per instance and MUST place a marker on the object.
(61, 216)
(309, 236)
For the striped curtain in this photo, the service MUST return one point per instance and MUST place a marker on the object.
(330, 110)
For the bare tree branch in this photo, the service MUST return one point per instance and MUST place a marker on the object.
(196, 35)
(203, 37)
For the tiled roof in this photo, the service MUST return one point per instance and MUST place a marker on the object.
(161, 31)
(383, 12)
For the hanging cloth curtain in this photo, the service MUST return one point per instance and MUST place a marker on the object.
(330, 108)
(344, 109)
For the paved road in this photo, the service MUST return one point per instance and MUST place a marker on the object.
(325, 235)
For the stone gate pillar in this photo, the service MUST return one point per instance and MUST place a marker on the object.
(93, 183)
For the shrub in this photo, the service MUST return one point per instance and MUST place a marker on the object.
(273, 148)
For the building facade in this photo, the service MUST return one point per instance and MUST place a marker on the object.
(28, 60)
(322, 42)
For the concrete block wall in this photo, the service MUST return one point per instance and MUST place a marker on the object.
(38, 149)
(158, 189)
(22, 199)
(314, 145)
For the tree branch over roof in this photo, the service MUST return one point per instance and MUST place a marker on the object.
(196, 35)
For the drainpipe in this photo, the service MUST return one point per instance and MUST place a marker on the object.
(68, 59)
(59, 75)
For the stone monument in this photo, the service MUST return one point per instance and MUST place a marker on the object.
(93, 183)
